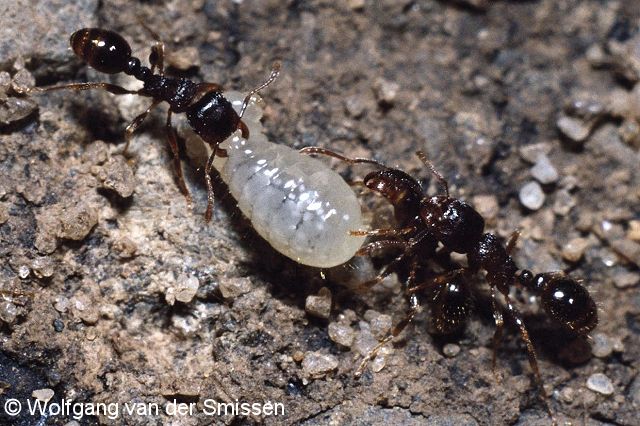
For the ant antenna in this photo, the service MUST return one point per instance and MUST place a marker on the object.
(275, 71)
(423, 157)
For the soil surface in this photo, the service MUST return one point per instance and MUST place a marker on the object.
(114, 291)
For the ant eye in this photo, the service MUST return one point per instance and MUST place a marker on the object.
(569, 303)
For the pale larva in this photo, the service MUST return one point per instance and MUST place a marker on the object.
(298, 204)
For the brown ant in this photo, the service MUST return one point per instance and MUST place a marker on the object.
(208, 112)
(425, 221)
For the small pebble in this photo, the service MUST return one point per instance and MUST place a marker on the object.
(184, 59)
(617, 344)
(633, 233)
(77, 221)
(573, 128)
(58, 325)
(574, 249)
(14, 111)
(356, 4)
(531, 153)
(629, 250)
(600, 383)
(230, 288)
(124, 247)
(629, 132)
(451, 350)
(531, 196)
(8, 312)
(601, 346)
(298, 356)
(90, 315)
(43, 395)
(355, 106)
(186, 288)
(378, 363)
(23, 272)
(91, 334)
(117, 176)
(319, 305)
(482, 150)
(634, 390)
(61, 304)
(563, 202)
(22, 81)
(543, 171)
(42, 267)
(4, 213)
(379, 324)
(5, 80)
(385, 91)
(341, 334)
(626, 279)
(568, 394)
(316, 365)
(487, 206)
(364, 341)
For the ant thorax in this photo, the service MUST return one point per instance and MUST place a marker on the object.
(198, 150)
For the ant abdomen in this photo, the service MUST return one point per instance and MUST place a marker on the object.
(453, 222)
(567, 302)
(450, 304)
(104, 50)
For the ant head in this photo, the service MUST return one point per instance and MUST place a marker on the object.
(104, 50)
(402, 191)
(451, 303)
(453, 222)
(566, 302)
(395, 185)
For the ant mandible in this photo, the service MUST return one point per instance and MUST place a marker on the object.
(208, 112)
(425, 221)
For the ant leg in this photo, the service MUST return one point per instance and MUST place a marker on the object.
(111, 88)
(413, 310)
(386, 271)
(207, 177)
(533, 360)
(323, 151)
(497, 335)
(513, 240)
(131, 128)
(383, 232)
(372, 247)
(356, 183)
(423, 157)
(173, 144)
(436, 281)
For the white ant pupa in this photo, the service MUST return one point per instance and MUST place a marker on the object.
(297, 203)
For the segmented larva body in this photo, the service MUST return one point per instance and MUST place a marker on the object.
(297, 203)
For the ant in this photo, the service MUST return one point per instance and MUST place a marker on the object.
(208, 112)
(423, 223)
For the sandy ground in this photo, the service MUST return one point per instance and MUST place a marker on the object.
(115, 292)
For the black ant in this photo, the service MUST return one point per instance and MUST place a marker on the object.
(208, 112)
(425, 221)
